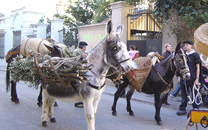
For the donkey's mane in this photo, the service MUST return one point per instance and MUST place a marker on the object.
(166, 60)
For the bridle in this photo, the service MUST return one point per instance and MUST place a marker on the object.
(182, 69)
(113, 47)
(176, 61)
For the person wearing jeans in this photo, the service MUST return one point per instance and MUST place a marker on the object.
(175, 93)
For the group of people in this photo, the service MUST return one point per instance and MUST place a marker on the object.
(194, 64)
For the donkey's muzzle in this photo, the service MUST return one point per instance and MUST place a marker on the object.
(186, 75)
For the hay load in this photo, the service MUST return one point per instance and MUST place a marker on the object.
(201, 39)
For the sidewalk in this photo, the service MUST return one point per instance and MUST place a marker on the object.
(137, 97)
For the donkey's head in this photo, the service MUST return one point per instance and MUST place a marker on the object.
(117, 54)
(56, 50)
(180, 61)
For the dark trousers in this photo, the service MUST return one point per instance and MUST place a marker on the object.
(184, 97)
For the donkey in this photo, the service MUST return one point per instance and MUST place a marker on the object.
(53, 50)
(158, 81)
(110, 52)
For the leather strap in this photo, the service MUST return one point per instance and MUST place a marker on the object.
(96, 87)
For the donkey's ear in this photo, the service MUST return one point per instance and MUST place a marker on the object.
(178, 47)
(109, 27)
(50, 48)
(119, 30)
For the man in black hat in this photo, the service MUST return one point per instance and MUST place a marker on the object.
(82, 47)
(194, 64)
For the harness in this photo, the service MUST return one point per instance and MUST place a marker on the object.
(168, 84)
(96, 87)
(38, 49)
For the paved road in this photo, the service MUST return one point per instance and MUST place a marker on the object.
(26, 115)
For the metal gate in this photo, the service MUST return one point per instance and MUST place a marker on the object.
(1, 45)
(144, 32)
(16, 38)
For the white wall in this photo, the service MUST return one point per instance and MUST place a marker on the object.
(19, 14)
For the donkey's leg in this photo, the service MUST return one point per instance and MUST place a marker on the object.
(40, 103)
(158, 104)
(14, 97)
(116, 97)
(89, 112)
(128, 99)
(45, 107)
(50, 110)
(95, 103)
(118, 93)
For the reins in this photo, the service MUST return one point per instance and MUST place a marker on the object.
(198, 95)
(168, 84)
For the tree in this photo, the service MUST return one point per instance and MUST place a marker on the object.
(182, 15)
(82, 12)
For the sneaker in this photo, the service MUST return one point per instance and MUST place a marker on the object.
(181, 112)
(189, 102)
(175, 99)
(79, 104)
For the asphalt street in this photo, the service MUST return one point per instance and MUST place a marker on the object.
(27, 114)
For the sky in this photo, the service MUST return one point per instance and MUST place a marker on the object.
(47, 6)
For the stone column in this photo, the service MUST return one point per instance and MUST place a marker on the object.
(56, 25)
(41, 30)
(120, 10)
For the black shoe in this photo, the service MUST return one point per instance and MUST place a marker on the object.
(167, 103)
(55, 104)
(79, 104)
(181, 112)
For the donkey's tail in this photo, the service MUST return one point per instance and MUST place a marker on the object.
(7, 78)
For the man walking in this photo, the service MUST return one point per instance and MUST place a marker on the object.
(194, 64)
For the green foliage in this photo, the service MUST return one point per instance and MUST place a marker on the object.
(191, 11)
(70, 31)
(24, 68)
(82, 11)
(195, 18)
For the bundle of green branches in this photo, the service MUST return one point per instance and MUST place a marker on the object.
(37, 68)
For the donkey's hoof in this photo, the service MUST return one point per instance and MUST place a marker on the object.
(53, 120)
(159, 123)
(131, 113)
(16, 101)
(40, 104)
(114, 113)
(44, 124)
